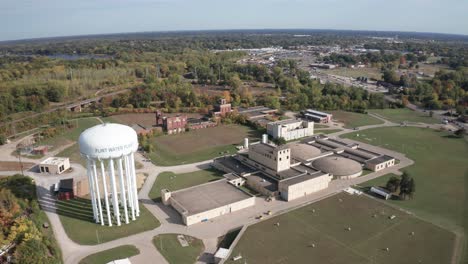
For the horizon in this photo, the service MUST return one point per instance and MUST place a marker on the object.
(51, 18)
(280, 30)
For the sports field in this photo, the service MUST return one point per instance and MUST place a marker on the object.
(199, 145)
(169, 246)
(351, 119)
(345, 229)
(440, 172)
(404, 115)
(173, 182)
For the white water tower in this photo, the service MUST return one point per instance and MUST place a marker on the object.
(109, 153)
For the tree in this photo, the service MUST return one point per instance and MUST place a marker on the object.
(390, 77)
(392, 184)
(411, 188)
(32, 251)
(235, 82)
(280, 141)
(407, 186)
(55, 91)
(460, 132)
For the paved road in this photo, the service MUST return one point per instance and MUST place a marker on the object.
(171, 221)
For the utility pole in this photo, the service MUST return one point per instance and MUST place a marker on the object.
(19, 158)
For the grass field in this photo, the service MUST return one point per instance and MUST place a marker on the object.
(73, 152)
(199, 145)
(404, 115)
(173, 182)
(174, 253)
(318, 233)
(72, 135)
(440, 172)
(76, 216)
(351, 119)
(109, 255)
(373, 73)
(326, 131)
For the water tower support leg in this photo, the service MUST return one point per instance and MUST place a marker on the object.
(98, 194)
(114, 192)
(122, 190)
(106, 196)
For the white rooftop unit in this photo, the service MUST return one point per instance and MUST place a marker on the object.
(103, 146)
(385, 194)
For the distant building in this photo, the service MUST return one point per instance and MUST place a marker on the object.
(380, 163)
(317, 116)
(290, 129)
(54, 165)
(322, 66)
(172, 125)
(222, 108)
(197, 123)
(41, 150)
(260, 115)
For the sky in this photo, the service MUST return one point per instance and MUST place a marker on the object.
(23, 19)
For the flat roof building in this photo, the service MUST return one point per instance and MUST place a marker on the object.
(317, 116)
(290, 129)
(54, 165)
(206, 201)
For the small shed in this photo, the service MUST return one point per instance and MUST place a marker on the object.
(66, 190)
(41, 150)
(384, 193)
(54, 165)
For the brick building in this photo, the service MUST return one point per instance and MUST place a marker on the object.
(222, 108)
(173, 124)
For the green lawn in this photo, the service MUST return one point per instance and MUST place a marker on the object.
(109, 255)
(168, 245)
(318, 126)
(404, 115)
(73, 152)
(72, 134)
(173, 182)
(76, 216)
(373, 73)
(380, 181)
(199, 145)
(318, 233)
(440, 172)
(352, 120)
(326, 131)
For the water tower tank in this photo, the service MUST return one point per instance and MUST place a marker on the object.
(109, 153)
